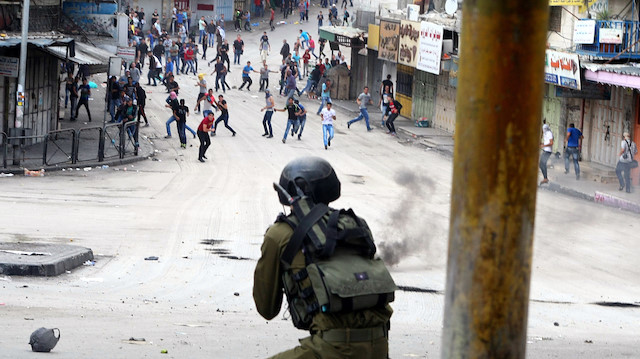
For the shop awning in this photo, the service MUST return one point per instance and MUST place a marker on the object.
(623, 75)
(96, 58)
(344, 35)
(65, 48)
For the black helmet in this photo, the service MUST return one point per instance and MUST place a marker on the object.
(314, 176)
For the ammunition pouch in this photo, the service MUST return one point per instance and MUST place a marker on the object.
(341, 273)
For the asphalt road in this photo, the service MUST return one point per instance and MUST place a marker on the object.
(205, 223)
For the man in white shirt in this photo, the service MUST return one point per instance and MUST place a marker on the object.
(547, 148)
(328, 115)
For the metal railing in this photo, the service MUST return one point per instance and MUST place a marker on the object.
(70, 146)
(86, 151)
(605, 46)
(60, 147)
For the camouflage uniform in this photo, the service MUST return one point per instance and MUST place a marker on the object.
(359, 334)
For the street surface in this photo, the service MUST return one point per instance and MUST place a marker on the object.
(205, 222)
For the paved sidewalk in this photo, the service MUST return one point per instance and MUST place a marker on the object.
(59, 147)
(597, 183)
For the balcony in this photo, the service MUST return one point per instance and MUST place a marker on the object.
(612, 37)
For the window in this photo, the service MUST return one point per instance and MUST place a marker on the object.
(555, 18)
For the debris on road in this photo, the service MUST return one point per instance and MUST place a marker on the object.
(236, 294)
(152, 258)
(556, 324)
(6, 174)
(89, 263)
(164, 351)
(28, 173)
(43, 339)
(589, 341)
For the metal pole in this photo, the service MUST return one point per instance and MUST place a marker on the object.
(499, 107)
(21, 78)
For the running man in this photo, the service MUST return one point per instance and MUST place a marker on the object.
(221, 104)
(245, 76)
(363, 100)
(292, 120)
(328, 115)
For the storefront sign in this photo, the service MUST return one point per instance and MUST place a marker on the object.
(374, 37)
(590, 90)
(9, 66)
(409, 36)
(562, 69)
(430, 47)
(569, 2)
(610, 36)
(389, 41)
(584, 31)
(128, 54)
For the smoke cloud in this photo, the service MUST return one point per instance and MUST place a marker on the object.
(411, 224)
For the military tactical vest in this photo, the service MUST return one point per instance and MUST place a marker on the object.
(341, 273)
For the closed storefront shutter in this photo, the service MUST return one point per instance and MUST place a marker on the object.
(609, 119)
(424, 95)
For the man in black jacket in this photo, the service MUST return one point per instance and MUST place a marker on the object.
(285, 51)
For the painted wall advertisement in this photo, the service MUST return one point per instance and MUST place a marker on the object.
(430, 47)
(389, 41)
(562, 69)
(409, 36)
(584, 31)
(9, 66)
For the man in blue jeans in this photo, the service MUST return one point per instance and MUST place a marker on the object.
(269, 107)
(363, 100)
(292, 120)
(325, 95)
(572, 143)
(302, 118)
(174, 105)
(327, 115)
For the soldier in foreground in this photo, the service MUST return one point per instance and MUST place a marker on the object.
(323, 260)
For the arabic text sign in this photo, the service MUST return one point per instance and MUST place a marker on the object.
(9, 66)
(128, 54)
(389, 41)
(430, 47)
(584, 31)
(562, 69)
(409, 36)
(569, 2)
(610, 36)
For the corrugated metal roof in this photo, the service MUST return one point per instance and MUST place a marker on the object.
(85, 54)
(39, 42)
(624, 69)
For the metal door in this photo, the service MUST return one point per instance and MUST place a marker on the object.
(425, 89)
(404, 89)
(609, 119)
(225, 7)
(635, 174)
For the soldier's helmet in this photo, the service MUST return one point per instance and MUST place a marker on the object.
(314, 177)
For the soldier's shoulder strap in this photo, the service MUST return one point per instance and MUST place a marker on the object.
(300, 232)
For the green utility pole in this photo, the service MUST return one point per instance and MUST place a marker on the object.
(499, 105)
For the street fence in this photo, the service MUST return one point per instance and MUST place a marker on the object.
(70, 146)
